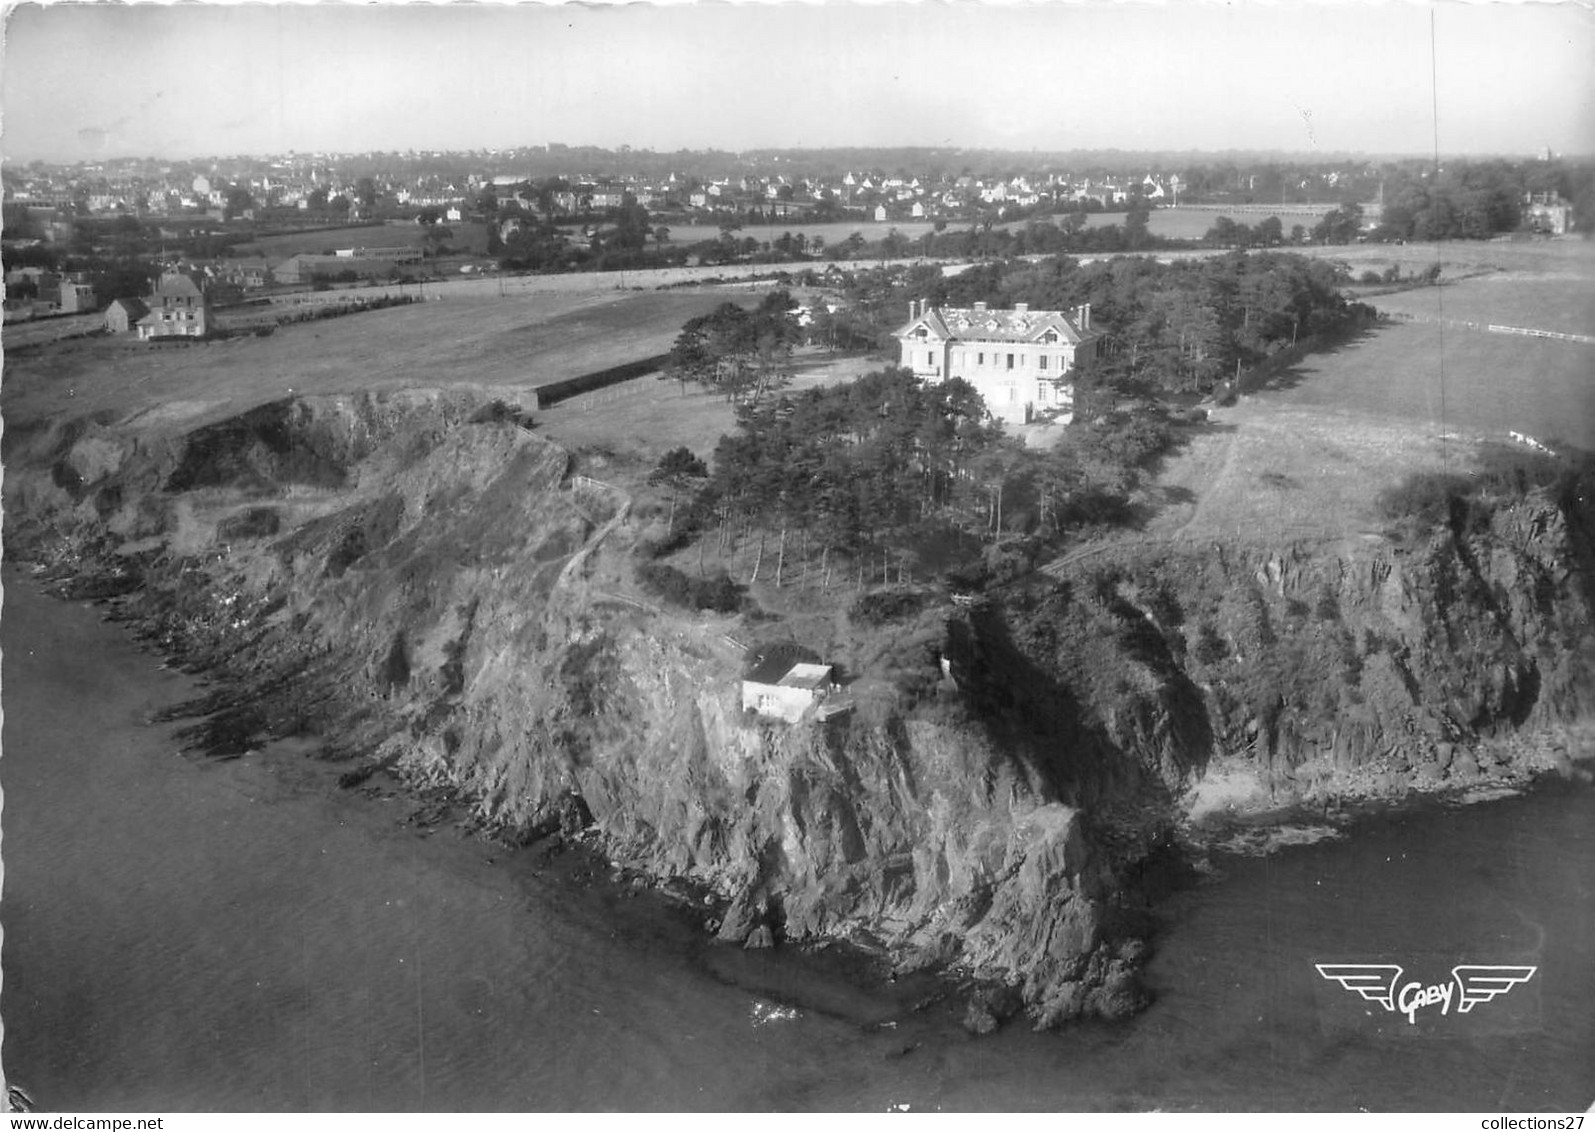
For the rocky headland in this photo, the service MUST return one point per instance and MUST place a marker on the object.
(431, 589)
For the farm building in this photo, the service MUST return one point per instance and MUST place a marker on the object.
(123, 315)
(404, 254)
(785, 689)
(178, 308)
(76, 298)
(1017, 360)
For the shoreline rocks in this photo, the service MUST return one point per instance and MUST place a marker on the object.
(430, 601)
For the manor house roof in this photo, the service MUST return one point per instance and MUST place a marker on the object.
(978, 323)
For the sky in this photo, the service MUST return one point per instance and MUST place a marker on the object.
(91, 81)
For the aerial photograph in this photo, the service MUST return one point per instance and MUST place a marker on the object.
(784, 558)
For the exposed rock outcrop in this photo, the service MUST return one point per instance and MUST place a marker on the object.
(426, 588)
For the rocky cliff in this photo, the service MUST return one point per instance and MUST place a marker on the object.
(420, 581)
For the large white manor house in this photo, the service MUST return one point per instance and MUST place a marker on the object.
(1018, 360)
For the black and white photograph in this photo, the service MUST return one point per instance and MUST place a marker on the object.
(786, 558)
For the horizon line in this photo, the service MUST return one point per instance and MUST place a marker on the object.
(1307, 156)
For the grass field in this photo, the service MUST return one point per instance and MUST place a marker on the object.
(1266, 470)
(1565, 304)
(1309, 451)
(1559, 260)
(638, 421)
(467, 236)
(1307, 457)
(1466, 381)
(514, 342)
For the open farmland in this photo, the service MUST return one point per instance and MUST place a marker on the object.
(1462, 381)
(832, 234)
(467, 236)
(1269, 471)
(1557, 260)
(512, 343)
(1193, 223)
(638, 421)
(1307, 457)
(1564, 303)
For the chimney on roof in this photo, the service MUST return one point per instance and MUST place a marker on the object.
(1082, 316)
(1021, 308)
(980, 306)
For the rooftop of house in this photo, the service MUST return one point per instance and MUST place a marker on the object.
(978, 322)
(779, 668)
(178, 284)
(802, 675)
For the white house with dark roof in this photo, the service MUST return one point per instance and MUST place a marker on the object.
(1020, 361)
(178, 308)
(786, 689)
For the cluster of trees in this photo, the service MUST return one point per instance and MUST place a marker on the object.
(888, 476)
(1268, 233)
(890, 479)
(1477, 199)
(1185, 327)
(739, 353)
(1067, 233)
(1449, 212)
(1339, 225)
(864, 470)
(118, 258)
(1463, 201)
(1167, 328)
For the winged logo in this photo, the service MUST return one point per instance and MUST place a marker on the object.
(1481, 984)
(1469, 986)
(1376, 982)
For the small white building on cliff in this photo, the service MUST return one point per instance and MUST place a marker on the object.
(783, 689)
(1019, 360)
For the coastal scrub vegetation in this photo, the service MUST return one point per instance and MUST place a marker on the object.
(885, 479)
(1466, 501)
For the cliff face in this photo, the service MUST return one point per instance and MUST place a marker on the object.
(1256, 678)
(419, 581)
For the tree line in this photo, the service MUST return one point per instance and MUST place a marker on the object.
(887, 479)
(1167, 328)
(739, 353)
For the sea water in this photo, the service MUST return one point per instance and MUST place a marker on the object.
(184, 934)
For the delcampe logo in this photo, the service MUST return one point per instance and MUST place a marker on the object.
(1468, 987)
